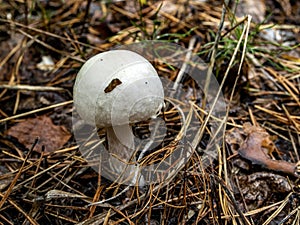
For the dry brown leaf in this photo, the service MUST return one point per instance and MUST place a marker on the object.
(51, 136)
(257, 147)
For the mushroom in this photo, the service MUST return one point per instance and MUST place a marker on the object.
(113, 90)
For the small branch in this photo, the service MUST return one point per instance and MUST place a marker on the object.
(31, 87)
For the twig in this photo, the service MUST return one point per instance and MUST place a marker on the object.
(31, 87)
(36, 111)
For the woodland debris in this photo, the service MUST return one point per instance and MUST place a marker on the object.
(51, 136)
(258, 146)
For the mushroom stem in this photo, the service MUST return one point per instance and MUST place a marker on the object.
(121, 144)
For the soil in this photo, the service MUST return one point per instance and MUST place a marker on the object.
(253, 178)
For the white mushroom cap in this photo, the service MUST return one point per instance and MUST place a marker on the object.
(117, 87)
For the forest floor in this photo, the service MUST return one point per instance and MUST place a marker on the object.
(254, 176)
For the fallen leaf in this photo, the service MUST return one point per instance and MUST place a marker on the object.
(258, 145)
(51, 136)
